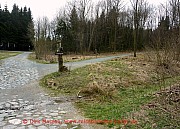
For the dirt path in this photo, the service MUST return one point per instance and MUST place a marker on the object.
(26, 105)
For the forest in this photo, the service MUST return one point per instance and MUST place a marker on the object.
(110, 26)
(14, 28)
(83, 26)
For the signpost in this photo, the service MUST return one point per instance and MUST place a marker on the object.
(59, 52)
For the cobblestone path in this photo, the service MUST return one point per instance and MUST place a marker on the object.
(26, 105)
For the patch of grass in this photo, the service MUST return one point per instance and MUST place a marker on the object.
(82, 78)
(113, 90)
(6, 54)
(163, 111)
(129, 100)
(66, 82)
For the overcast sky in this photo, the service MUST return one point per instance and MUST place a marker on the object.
(48, 8)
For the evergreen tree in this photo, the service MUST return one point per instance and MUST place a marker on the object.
(14, 28)
(63, 32)
(74, 27)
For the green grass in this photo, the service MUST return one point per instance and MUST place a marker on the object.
(6, 54)
(68, 82)
(166, 112)
(130, 96)
(77, 79)
(163, 119)
(129, 100)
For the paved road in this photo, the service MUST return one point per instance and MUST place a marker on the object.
(17, 71)
(22, 97)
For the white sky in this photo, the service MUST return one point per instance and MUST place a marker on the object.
(48, 8)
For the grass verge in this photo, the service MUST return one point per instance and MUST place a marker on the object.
(6, 54)
(115, 90)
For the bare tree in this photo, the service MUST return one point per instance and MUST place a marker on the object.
(44, 32)
(37, 38)
(140, 15)
(136, 25)
(175, 19)
(84, 10)
(92, 26)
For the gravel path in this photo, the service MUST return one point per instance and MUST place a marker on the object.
(26, 105)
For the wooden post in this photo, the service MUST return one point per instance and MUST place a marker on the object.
(60, 59)
(60, 62)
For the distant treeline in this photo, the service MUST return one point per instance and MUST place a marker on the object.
(112, 26)
(108, 30)
(16, 28)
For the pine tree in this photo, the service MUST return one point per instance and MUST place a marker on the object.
(14, 28)
(74, 27)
